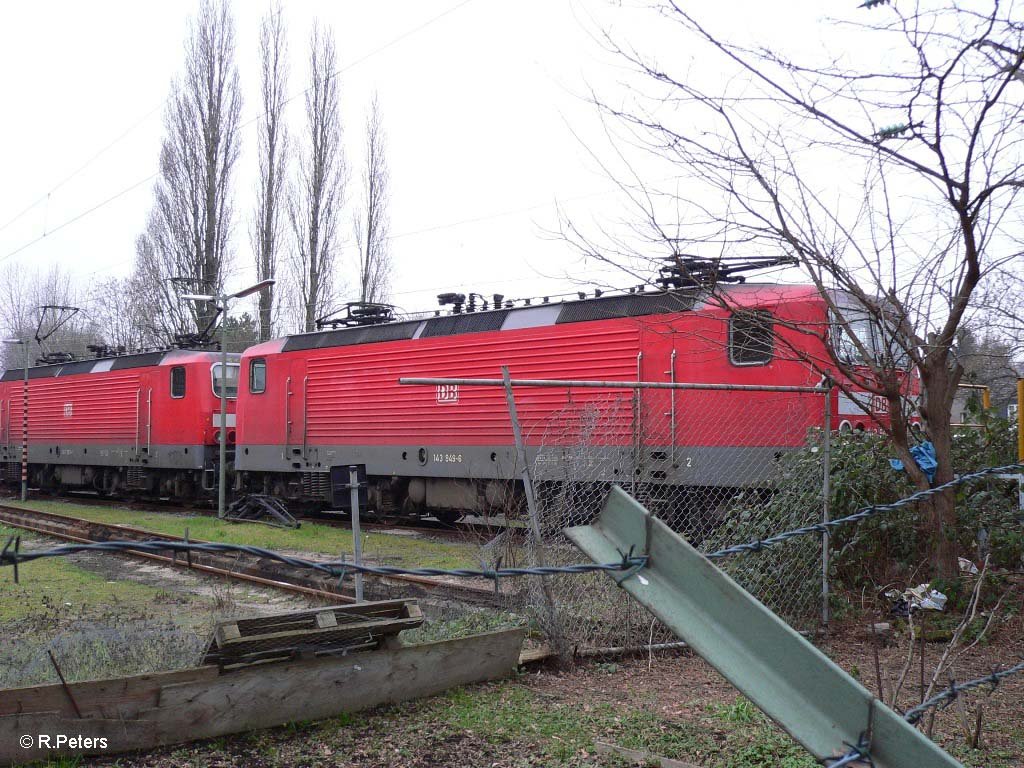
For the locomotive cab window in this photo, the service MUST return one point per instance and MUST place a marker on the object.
(751, 338)
(230, 382)
(178, 381)
(257, 376)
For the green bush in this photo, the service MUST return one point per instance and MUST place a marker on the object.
(890, 547)
(887, 548)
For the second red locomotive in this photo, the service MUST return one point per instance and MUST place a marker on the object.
(146, 423)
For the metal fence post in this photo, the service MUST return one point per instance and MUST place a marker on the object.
(357, 542)
(826, 493)
(537, 548)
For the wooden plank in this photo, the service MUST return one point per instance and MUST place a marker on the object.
(234, 651)
(396, 608)
(273, 694)
(122, 696)
(236, 641)
(52, 724)
(381, 626)
(533, 655)
(325, 687)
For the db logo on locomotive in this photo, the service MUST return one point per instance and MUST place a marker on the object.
(447, 393)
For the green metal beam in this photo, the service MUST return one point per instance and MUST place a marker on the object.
(767, 660)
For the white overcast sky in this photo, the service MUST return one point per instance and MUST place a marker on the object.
(484, 106)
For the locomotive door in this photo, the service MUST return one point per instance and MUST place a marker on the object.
(143, 417)
(5, 426)
(295, 398)
(657, 410)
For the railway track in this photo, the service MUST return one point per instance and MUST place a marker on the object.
(486, 529)
(240, 567)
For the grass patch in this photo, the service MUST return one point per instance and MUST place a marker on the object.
(95, 625)
(56, 584)
(311, 537)
(513, 719)
(462, 624)
(563, 730)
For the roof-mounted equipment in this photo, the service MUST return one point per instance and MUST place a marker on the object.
(687, 271)
(106, 350)
(55, 358)
(357, 314)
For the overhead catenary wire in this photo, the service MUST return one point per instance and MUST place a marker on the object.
(43, 198)
(250, 121)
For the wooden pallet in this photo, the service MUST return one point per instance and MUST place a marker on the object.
(334, 630)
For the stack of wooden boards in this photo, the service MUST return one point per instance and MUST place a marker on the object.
(339, 629)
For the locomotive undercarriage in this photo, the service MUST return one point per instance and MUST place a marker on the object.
(132, 481)
(446, 499)
(695, 511)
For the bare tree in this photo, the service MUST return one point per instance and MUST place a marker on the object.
(988, 360)
(273, 154)
(154, 283)
(24, 298)
(318, 193)
(119, 313)
(894, 185)
(17, 308)
(190, 226)
(372, 223)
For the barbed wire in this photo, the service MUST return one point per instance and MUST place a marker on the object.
(862, 750)
(12, 556)
(857, 752)
(856, 517)
(946, 697)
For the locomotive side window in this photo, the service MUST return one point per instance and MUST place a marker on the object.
(859, 327)
(230, 382)
(751, 338)
(257, 376)
(178, 381)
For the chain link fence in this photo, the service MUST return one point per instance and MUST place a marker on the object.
(719, 466)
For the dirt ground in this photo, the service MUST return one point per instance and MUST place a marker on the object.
(669, 704)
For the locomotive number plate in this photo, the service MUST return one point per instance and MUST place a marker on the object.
(447, 458)
(447, 393)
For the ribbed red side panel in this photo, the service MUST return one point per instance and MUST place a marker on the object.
(92, 407)
(354, 395)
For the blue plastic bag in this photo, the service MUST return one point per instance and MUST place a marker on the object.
(924, 455)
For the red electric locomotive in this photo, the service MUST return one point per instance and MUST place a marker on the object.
(144, 423)
(313, 401)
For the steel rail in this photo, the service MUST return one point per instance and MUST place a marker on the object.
(210, 569)
(7, 518)
(23, 518)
